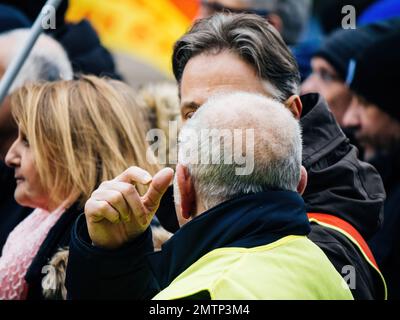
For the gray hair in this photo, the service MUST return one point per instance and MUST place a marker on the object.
(294, 15)
(253, 39)
(47, 61)
(276, 147)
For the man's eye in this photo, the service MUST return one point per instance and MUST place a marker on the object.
(189, 115)
(326, 76)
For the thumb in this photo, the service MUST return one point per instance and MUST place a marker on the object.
(158, 186)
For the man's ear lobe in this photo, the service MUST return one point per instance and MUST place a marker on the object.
(295, 106)
(301, 187)
(186, 190)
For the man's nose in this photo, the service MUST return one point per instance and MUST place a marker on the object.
(12, 158)
(351, 118)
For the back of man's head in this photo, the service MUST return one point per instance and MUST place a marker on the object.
(46, 62)
(212, 143)
(250, 37)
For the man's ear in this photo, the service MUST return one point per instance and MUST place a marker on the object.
(276, 21)
(295, 106)
(301, 187)
(186, 190)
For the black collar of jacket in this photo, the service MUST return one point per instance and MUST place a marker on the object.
(248, 221)
(321, 132)
(338, 182)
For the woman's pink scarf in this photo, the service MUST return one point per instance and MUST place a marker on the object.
(20, 249)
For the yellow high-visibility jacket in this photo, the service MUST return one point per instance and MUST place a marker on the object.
(292, 268)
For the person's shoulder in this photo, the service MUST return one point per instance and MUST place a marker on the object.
(295, 268)
(263, 272)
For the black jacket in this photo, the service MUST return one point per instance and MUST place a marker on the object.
(386, 243)
(339, 184)
(343, 186)
(136, 272)
(11, 213)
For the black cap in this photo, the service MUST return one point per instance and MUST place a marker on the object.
(377, 74)
(343, 45)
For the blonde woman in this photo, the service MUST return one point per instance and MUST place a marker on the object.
(72, 136)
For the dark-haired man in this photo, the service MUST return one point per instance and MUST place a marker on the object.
(375, 116)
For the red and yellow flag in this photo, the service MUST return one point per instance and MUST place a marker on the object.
(146, 29)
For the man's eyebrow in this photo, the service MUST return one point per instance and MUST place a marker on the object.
(190, 105)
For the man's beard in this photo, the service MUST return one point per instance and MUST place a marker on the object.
(379, 143)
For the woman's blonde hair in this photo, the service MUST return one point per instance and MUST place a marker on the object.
(161, 105)
(81, 132)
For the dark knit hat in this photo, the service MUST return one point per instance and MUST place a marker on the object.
(377, 74)
(343, 45)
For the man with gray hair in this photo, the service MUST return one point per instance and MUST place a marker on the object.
(273, 155)
(257, 218)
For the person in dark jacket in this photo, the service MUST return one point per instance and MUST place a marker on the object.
(255, 220)
(80, 40)
(345, 196)
(375, 116)
(64, 149)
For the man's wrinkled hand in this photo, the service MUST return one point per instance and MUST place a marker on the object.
(116, 213)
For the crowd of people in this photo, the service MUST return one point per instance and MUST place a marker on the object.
(88, 210)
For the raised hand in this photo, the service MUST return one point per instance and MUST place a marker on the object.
(116, 213)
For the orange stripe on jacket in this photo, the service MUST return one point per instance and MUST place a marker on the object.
(347, 228)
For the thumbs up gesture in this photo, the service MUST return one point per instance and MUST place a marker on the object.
(116, 213)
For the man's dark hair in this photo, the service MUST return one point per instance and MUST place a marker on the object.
(252, 38)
